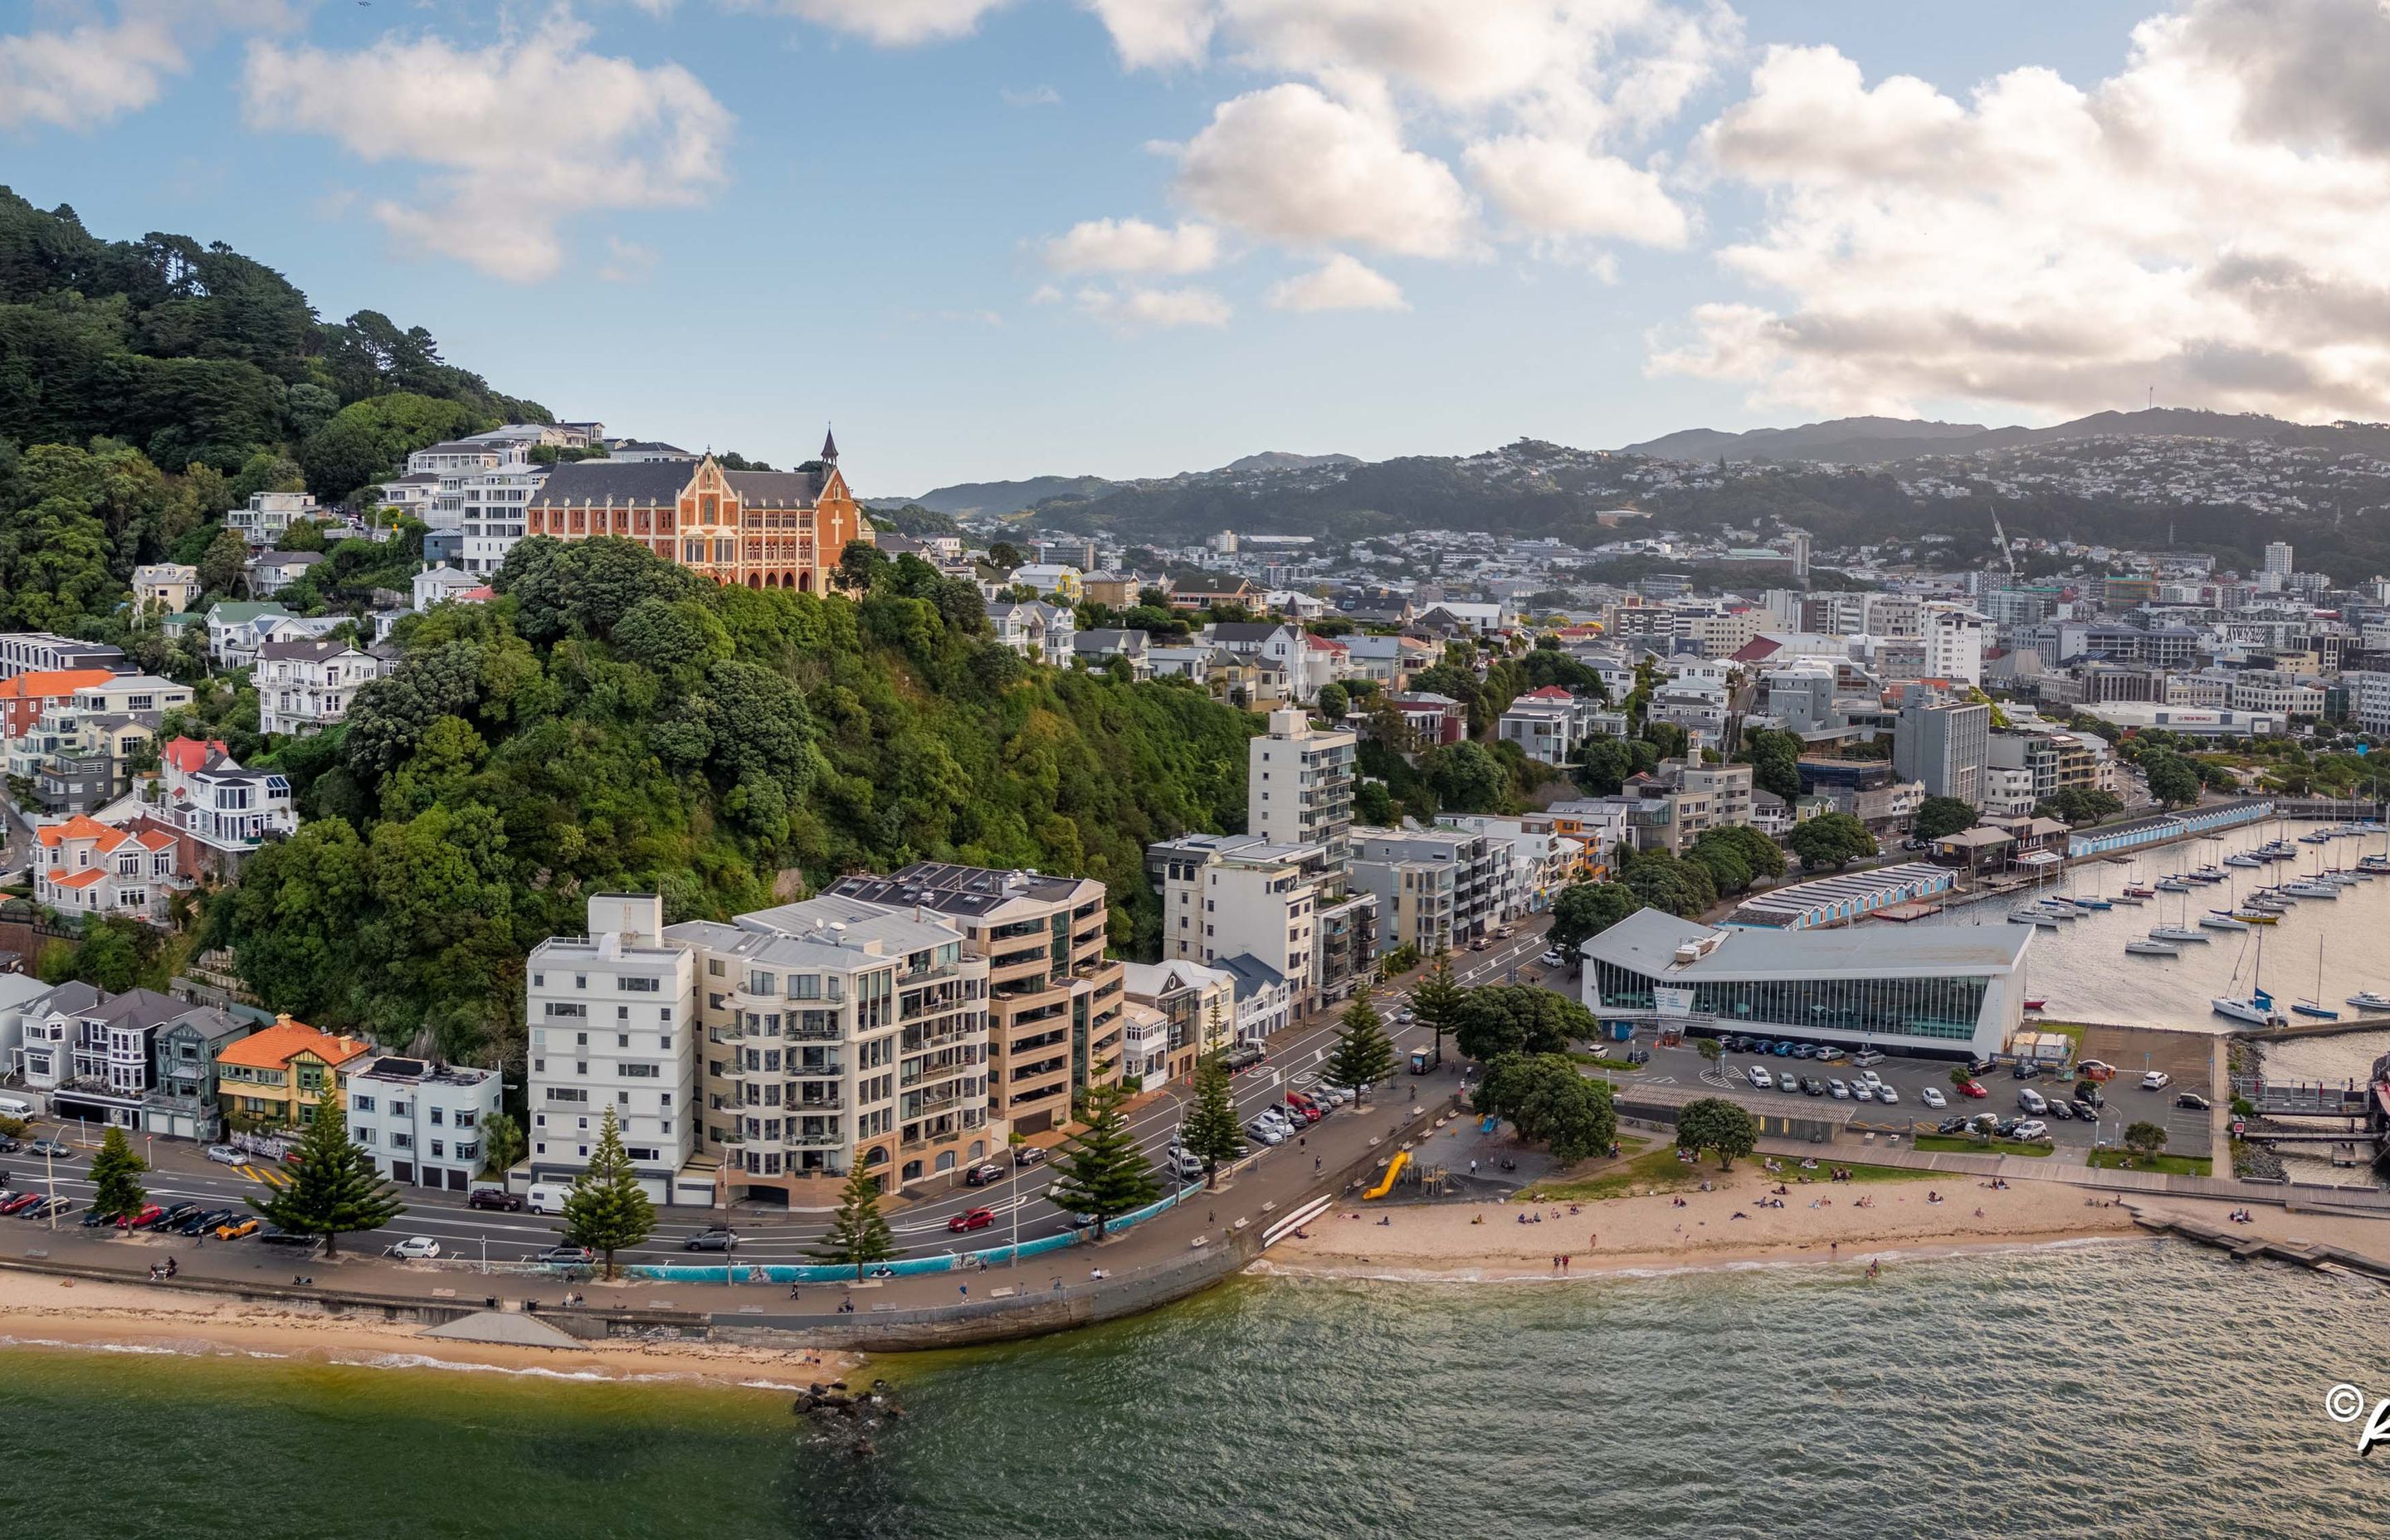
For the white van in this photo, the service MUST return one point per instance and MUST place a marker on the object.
(15, 1107)
(2032, 1101)
(547, 1197)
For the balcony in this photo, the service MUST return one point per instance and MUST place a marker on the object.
(819, 1104)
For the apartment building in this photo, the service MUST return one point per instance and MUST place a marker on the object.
(1299, 784)
(1954, 643)
(40, 652)
(612, 1021)
(1943, 744)
(305, 687)
(281, 1077)
(2369, 701)
(270, 515)
(1435, 888)
(1550, 724)
(421, 1121)
(1054, 1001)
(1289, 908)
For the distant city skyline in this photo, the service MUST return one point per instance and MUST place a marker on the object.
(996, 238)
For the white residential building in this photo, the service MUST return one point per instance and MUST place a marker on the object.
(1299, 784)
(1550, 724)
(1039, 631)
(1954, 643)
(303, 687)
(2369, 701)
(270, 515)
(422, 1123)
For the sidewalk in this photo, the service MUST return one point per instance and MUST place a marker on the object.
(2025, 1168)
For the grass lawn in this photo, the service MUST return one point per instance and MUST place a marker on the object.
(2171, 1166)
(1652, 1171)
(1953, 1144)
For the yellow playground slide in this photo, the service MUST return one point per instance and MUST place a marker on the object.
(1386, 1183)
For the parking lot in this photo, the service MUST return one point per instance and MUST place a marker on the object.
(1910, 1078)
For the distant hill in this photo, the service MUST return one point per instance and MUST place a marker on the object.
(1279, 459)
(969, 497)
(1875, 441)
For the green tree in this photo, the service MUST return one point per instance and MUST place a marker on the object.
(1362, 1054)
(116, 1190)
(1939, 817)
(1373, 804)
(2145, 1138)
(1466, 778)
(607, 1209)
(1550, 1102)
(2078, 805)
(1717, 1125)
(1436, 999)
(502, 1144)
(858, 1233)
(1960, 1074)
(1210, 1133)
(1333, 703)
(1102, 1172)
(1709, 1048)
(860, 563)
(1775, 760)
(1831, 842)
(224, 561)
(1519, 1019)
(1683, 887)
(2174, 781)
(334, 1188)
(1585, 910)
(1004, 554)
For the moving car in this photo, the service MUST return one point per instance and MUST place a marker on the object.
(2157, 1080)
(416, 1248)
(982, 1176)
(1932, 1096)
(1479, 944)
(1973, 1088)
(225, 1155)
(1244, 1055)
(1027, 1155)
(238, 1225)
(565, 1256)
(10, 1144)
(494, 1198)
(976, 1219)
(51, 1149)
(714, 1237)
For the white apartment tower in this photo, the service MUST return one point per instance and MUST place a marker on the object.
(1299, 784)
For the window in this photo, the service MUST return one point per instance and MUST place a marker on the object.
(361, 1104)
(640, 1071)
(439, 1116)
(640, 986)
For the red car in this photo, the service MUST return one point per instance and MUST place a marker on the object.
(1973, 1088)
(978, 1219)
(20, 1203)
(150, 1213)
(1304, 1111)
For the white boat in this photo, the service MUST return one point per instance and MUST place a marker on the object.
(2177, 933)
(2310, 889)
(2366, 999)
(2046, 923)
(2222, 922)
(2242, 861)
(2174, 885)
(2153, 949)
(2256, 1007)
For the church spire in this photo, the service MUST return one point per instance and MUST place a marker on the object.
(830, 447)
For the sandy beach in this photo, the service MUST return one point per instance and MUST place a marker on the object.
(1735, 1223)
(39, 1310)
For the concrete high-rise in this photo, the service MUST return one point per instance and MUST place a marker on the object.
(1299, 785)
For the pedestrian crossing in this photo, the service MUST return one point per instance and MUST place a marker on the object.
(267, 1176)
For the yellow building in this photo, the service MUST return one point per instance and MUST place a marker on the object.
(277, 1078)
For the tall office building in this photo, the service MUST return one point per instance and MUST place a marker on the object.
(1944, 745)
(1299, 784)
(2277, 558)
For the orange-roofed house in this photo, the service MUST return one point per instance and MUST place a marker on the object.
(83, 867)
(279, 1077)
(25, 697)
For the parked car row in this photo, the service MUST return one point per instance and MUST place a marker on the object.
(33, 1205)
(1991, 1125)
(1786, 1047)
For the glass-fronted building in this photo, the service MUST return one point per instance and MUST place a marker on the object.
(1951, 990)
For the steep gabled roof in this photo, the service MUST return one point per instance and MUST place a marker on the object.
(654, 482)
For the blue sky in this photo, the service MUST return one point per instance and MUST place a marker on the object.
(1361, 225)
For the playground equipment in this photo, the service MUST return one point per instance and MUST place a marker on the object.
(1393, 1169)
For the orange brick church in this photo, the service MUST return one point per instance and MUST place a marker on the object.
(766, 529)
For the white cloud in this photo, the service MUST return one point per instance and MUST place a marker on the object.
(1035, 95)
(886, 21)
(1289, 164)
(516, 137)
(627, 261)
(92, 73)
(1563, 188)
(2213, 220)
(1133, 246)
(1152, 33)
(1134, 307)
(1341, 283)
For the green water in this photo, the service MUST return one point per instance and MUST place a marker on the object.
(2114, 1391)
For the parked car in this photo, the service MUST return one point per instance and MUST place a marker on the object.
(2032, 1101)
(1932, 1096)
(204, 1224)
(1759, 1077)
(982, 1176)
(225, 1155)
(1270, 1134)
(2085, 1111)
(416, 1248)
(2030, 1129)
(494, 1198)
(1838, 1090)
(275, 1234)
(2157, 1080)
(2025, 1069)
(1295, 1113)
(10, 1144)
(1802, 1050)
(1812, 1086)
(1828, 1054)
(92, 1220)
(1552, 959)
(1973, 1088)
(1981, 1066)
(565, 1256)
(2061, 1109)
(2192, 1100)
(1784, 1048)
(1887, 1094)
(1244, 1055)
(1188, 1167)
(236, 1226)
(179, 1215)
(1862, 1091)
(1788, 1083)
(1027, 1155)
(1953, 1125)
(20, 1202)
(146, 1219)
(2096, 1068)
(976, 1219)
(48, 1208)
(714, 1237)
(2091, 1095)
(1866, 1056)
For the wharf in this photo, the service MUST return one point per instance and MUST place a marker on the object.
(2244, 1248)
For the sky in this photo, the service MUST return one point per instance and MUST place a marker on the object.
(994, 238)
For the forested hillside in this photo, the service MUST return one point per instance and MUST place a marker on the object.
(613, 722)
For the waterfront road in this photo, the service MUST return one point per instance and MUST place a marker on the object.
(1020, 1198)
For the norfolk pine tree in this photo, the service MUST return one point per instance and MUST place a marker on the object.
(1363, 1053)
(116, 1189)
(1211, 1133)
(334, 1189)
(1100, 1172)
(857, 1232)
(1436, 1000)
(607, 1209)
